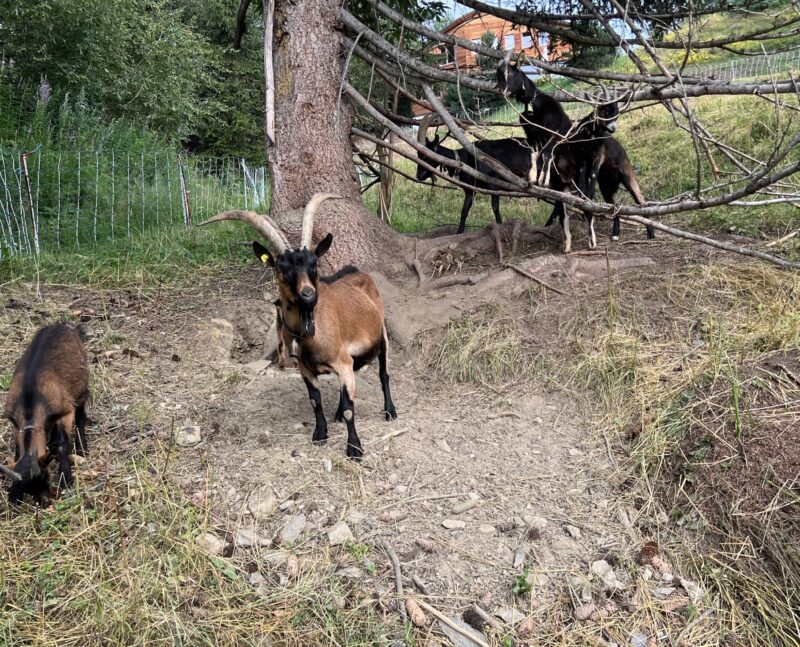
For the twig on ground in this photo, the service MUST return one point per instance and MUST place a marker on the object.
(420, 586)
(780, 241)
(535, 278)
(398, 578)
(445, 620)
(16, 476)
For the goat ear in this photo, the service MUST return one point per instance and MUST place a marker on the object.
(324, 245)
(263, 254)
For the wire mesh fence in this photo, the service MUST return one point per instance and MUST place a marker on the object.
(55, 200)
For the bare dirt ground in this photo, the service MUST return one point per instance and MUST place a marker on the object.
(472, 486)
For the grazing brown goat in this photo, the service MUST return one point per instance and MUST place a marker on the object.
(47, 396)
(335, 321)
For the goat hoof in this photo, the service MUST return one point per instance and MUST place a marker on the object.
(355, 452)
(320, 437)
(391, 414)
(615, 238)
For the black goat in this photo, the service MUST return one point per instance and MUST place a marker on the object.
(547, 122)
(577, 161)
(514, 153)
(615, 170)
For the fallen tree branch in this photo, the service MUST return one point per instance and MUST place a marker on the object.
(398, 577)
(780, 241)
(532, 277)
(736, 249)
(14, 476)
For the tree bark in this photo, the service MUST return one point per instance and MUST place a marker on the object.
(312, 150)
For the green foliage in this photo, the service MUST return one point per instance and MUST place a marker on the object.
(129, 57)
(521, 584)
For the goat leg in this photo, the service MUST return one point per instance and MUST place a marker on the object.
(347, 381)
(321, 427)
(388, 405)
(81, 447)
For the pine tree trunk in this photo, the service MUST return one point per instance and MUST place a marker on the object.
(312, 151)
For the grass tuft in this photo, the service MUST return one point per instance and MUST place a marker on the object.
(484, 347)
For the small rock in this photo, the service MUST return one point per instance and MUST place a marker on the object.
(187, 436)
(292, 529)
(454, 524)
(458, 508)
(247, 537)
(353, 572)
(441, 443)
(602, 569)
(255, 578)
(520, 554)
(647, 573)
(572, 531)
(459, 639)
(486, 529)
(262, 503)
(574, 453)
(509, 615)
(211, 543)
(695, 592)
(327, 465)
(339, 534)
(286, 505)
(538, 420)
(259, 366)
(400, 489)
(639, 639)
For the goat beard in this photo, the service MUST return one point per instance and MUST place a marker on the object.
(307, 328)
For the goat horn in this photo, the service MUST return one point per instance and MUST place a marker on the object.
(262, 224)
(308, 217)
(422, 131)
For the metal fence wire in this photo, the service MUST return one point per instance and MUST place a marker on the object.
(54, 200)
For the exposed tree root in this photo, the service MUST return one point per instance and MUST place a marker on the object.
(532, 277)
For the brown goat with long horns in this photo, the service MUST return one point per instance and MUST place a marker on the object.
(336, 321)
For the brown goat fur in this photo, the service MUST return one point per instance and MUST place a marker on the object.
(337, 323)
(332, 324)
(46, 398)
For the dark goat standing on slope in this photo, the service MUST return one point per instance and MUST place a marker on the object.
(47, 396)
(615, 170)
(548, 123)
(583, 156)
(577, 162)
(336, 321)
(514, 153)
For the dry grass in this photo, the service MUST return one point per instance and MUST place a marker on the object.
(485, 347)
(698, 384)
(117, 563)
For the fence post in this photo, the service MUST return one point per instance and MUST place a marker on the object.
(187, 212)
(34, 221)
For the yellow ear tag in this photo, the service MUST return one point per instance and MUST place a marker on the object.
(264, 258)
